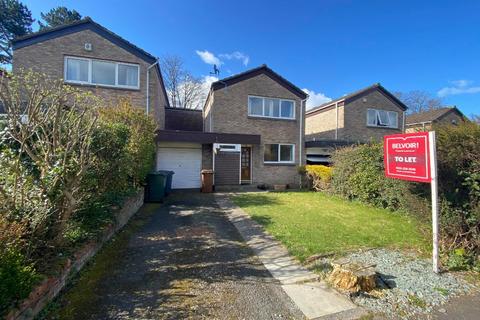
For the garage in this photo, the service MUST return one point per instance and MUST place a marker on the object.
(185, 159)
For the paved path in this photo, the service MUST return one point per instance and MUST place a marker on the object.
(314, 298)
(180, 260)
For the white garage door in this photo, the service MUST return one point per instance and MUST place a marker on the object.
(184, 160)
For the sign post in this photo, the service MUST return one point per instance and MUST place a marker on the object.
(412, 157)
(434, 186)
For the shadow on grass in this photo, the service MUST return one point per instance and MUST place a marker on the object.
(254, 200)
(263, 220)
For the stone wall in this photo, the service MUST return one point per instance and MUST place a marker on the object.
(51, 287)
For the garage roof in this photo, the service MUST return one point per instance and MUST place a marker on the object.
(206, 137)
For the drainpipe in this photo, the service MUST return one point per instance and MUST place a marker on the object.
(148, 84)
(302, 132)
(403, 125)
(336, 120)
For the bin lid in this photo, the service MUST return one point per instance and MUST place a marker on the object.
(165, 172)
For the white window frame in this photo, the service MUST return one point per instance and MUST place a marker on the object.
(263, 108)
(377, 116)
(279, 147)
(89, 82)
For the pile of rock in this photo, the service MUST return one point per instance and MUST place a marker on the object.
(353, 277)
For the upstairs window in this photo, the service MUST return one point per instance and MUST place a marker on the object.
(382, 118)
(103, 73)
(271, 108)
(279, 153)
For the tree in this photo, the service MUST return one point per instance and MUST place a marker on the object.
(50, 126)
(183, 89)
(419, 101)
(15, 21)
(58, 16)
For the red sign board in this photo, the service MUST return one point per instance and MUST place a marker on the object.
(406, 157)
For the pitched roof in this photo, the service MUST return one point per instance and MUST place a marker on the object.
(80, 25)
(355, 94)
(431, 115)
(263, 69)
(88, 24)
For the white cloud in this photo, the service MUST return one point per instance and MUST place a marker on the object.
(208, 57)
(459, 87)
(236, 55)
(315, 99)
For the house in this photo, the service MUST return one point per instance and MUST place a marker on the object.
(87, 55)
(251, 130)
(252, 133)
(358, 117)
(423, 121)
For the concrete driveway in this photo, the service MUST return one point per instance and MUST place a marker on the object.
(182, 259)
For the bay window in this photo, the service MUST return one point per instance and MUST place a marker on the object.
(271, 108)
(100, 72)
(279, 153)
(382, 118)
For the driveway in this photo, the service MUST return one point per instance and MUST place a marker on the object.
(182, 259)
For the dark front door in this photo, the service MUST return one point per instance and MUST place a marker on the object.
(246, 163)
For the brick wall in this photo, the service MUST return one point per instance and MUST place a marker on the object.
(356, 117)
(322, 125)
(229, 114)
(48, 57)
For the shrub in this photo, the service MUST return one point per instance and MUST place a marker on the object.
(320, 177)
(358, 174)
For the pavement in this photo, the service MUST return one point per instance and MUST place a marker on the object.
(180, 260)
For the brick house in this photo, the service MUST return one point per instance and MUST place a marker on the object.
(423, 121)
(249, 132)
(252, 133)
(89, 56)
(361, 116)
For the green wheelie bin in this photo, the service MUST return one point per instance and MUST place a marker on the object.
(156, 183)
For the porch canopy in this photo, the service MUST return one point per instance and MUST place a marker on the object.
(206, 137)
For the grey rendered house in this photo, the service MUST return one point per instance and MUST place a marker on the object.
(252, 133)
(89, 56)
(361, 116)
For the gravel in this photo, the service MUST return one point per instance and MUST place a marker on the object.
(408, 286)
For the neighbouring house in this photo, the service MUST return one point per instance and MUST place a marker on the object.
(250, 131)
(423, 121)
(89, 56)
(362, 116)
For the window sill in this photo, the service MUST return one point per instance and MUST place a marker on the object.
(279, 164)
(274, 119)
(378, 127)
(88, 85)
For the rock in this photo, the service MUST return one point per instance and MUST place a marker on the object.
(353, 277)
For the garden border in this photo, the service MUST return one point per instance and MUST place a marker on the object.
(49, 288)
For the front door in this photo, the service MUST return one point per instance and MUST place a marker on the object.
(246, 163)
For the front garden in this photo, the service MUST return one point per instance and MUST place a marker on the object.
(68, 160)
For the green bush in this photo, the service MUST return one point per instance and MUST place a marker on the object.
(358, 174)
(17, 278)
(320, 177)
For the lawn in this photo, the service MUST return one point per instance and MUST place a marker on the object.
(313, 223)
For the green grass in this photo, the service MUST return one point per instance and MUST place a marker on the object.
(311, 223)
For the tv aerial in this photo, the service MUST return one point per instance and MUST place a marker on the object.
(216, 71)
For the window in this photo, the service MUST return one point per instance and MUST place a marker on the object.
(279, 153)
(99, 72)
(382, 118)
(271, 108)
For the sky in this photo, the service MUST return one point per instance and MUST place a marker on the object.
(328, 48)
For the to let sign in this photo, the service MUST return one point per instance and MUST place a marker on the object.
(406, 156)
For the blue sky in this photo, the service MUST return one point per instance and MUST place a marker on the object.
(328, 47)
